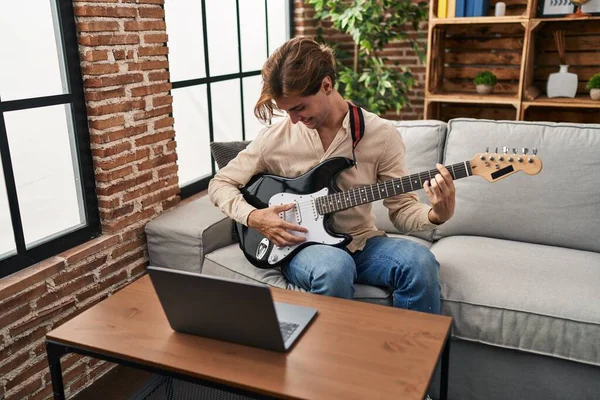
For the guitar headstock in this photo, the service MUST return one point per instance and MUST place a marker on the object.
(495, 166)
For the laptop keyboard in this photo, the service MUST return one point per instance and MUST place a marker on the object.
(287, 328)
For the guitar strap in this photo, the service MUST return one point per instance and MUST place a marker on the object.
(357, 127)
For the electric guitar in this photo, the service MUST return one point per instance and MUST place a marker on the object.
(316, 197)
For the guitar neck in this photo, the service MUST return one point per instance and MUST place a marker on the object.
(367, 194)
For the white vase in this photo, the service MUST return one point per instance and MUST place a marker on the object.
(595, 94)
(562, 83)
(500, 9)
(484, 89)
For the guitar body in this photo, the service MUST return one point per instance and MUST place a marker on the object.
(268, 190)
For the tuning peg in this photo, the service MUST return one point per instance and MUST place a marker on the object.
(514, 149)
(487, 149)
(496, 150)
(505, 149)
(534, 151)
(525, 150)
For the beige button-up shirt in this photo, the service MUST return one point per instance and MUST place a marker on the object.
(290, 150)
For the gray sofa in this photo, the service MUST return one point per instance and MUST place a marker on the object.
(520, 260)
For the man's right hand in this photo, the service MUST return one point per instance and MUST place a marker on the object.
(268, 222)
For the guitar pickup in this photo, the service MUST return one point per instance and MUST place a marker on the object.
(296, 210)
(293, 215)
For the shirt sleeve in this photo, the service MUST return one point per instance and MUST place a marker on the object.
(405, 211)
(224, 188)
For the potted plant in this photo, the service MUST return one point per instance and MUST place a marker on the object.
(485, 82)
(594, 86)
(365, 75)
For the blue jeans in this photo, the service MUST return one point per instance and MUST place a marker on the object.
(407, 267)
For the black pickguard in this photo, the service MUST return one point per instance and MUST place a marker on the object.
(264, 186)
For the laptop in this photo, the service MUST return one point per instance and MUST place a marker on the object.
(229, 310)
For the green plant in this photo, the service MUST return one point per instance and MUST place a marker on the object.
(485, 78)
(594, 82)
(372, 81)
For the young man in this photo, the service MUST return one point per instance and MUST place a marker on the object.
(299, 79)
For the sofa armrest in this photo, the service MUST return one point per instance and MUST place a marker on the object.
(180, 238)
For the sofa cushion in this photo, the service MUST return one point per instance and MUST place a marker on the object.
(229, 262)
(529, 297)
(424, 141)
(559, 206)
(223, 152)
(181, 237)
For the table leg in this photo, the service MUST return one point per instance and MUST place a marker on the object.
(444, 372)
(55, 352)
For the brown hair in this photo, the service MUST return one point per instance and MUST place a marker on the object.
(297, 68)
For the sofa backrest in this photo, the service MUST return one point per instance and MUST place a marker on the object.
(424, 141)
(560, 206)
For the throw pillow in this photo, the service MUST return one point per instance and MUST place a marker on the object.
(223, 152)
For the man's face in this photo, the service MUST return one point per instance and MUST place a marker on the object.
(310, 110)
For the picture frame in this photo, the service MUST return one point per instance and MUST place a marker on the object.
(555, 8)
(592, 7)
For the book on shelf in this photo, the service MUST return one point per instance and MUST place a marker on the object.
(461, 6)
(451, 9)
(469, 8)
(481, 8)
(442, 10)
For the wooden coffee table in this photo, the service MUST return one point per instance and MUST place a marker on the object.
(352, 350)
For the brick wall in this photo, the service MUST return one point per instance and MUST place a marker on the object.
(123, 50)
(306, 25)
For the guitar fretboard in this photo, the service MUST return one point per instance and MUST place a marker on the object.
(381, 190)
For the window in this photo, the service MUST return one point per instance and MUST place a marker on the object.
(216, 51)
(47, 188)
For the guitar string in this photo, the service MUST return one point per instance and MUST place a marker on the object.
(337, 197)
(329, 203)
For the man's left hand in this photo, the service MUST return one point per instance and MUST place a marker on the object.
(441, 194)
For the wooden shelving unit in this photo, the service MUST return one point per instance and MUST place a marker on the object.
(519, 48)
(579, 101)
(505, 99)
(477, 20)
